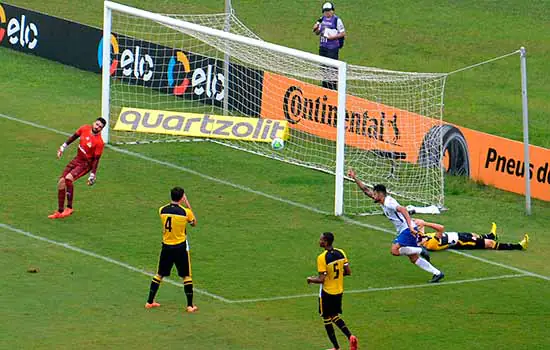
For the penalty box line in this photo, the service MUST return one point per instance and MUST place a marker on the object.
(242, 301)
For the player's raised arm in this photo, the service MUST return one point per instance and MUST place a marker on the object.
(186, 201)
(70, 140)
(362, 186)
(439, 229)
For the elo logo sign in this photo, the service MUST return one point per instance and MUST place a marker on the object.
(114, 51)
(18, 31)
(2, 22)
(182, 58)
(133, 62)
(202, 82)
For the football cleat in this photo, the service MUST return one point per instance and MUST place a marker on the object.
(437, 278)
(525, 241)
(56, 215)
(67, 212)
(151, 305)
(353, 342)
(192, 309)
(494, 230)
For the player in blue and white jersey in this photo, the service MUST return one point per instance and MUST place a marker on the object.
(405, 243)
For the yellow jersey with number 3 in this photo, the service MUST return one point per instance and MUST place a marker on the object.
(331, 264)
(174, 220)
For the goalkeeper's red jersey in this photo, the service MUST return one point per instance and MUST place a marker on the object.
(91, 145)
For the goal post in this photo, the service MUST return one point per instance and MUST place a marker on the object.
(339, 66)
(105, 71)
(171, 78)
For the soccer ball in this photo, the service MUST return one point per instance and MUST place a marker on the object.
(277, 144)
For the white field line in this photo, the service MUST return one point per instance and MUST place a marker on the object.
(229, 301)
(109, 260)
(247, 189)
(370, 290)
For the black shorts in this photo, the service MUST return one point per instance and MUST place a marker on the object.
(171, 255)
(468, 241)
(330, 304)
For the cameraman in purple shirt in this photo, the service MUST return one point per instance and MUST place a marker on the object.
(331, 31)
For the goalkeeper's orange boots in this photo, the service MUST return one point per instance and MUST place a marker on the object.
(67, 212)
(56, 215)
(60, 215)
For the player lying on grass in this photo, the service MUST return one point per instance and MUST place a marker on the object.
(405, 243)
(86, 161)
(441, 239)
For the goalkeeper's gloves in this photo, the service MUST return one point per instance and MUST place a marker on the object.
(91, 179)
(61, 150)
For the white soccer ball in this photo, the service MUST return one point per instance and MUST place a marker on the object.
(277, 144)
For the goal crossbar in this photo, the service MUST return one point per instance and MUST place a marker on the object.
(340, 66)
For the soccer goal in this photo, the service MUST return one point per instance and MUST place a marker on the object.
(173, 78)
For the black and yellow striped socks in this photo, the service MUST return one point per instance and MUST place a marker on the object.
(330, 332)
(188, 289)
(155, 284)
(342, 325)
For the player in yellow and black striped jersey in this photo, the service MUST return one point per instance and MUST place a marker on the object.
(441, 239)
(175, 248)
(332, 266)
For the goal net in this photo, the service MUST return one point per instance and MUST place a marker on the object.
(179, 78)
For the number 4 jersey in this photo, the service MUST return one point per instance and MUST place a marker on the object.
(174, 219)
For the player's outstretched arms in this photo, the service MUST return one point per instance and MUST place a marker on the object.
(365, 189)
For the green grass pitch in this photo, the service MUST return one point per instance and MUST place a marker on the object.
(259, 220)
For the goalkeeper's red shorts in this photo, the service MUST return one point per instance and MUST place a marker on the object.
(77, 168)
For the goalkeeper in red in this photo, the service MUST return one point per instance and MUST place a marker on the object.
(86, 161)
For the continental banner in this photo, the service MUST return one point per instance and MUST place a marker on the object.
(393, 133)
(201, 125)
(179, 72)
(369, 125)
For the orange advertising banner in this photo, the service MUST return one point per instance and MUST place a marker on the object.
(396, 133)
(369, 125)
(498, 161)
